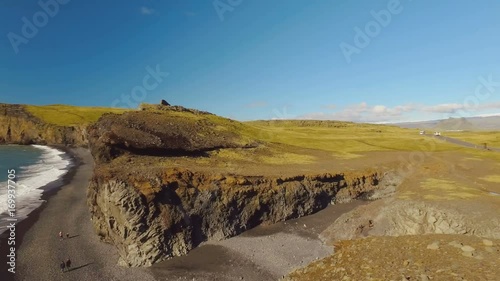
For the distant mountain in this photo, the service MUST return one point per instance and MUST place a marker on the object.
(486, 123)
(454, 124)
(490, 123)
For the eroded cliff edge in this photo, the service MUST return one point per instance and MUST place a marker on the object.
(19, 126)
(157, 192)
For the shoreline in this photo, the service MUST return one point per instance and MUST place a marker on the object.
(53, 187)
(23, 226)
(66, 210)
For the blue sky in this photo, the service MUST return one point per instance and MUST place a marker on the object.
(257, 59)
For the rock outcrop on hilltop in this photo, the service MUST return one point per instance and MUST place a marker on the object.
(18, 126)
(153, 213)
(157, 134)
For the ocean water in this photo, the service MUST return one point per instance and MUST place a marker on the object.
(35, 166)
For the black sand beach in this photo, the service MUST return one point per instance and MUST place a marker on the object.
(23, 226)
(41, 251)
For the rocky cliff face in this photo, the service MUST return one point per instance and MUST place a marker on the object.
(390, 217)
(168, 211)
(17, 126)
(152, 218)
(154, 211)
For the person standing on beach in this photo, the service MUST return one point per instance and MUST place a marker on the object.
(67, 235)
(68, 264)
(61, 235)
(63, 266)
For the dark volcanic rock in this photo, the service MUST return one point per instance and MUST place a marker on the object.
(187, 208)
(160, 133)
(154, 211)
(18, 126)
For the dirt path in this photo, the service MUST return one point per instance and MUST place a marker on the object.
(464, 143)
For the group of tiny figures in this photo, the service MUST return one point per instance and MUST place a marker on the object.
(61, 235)
(65, 265)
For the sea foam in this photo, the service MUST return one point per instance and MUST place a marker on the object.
(51, 167)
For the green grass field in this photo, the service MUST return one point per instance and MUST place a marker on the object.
(67, 115)
(346, 138)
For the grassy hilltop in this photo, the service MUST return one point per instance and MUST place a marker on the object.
(344, 140)
(68, 115)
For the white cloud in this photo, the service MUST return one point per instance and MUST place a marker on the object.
(456, 108)
(488, 115)
(257, 104)
(363, 112)
(444, 108)
(379, 109)
(491, 105)
(147, 11)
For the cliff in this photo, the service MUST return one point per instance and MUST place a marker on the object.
(19, 126)
(152, 218)
(160, 187)
(168, 178)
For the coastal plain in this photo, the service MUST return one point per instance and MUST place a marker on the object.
(179, 194)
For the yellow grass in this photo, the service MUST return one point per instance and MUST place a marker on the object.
(491, 138)
(483, 154)
(346, 139)
(439, 189)
(66, 115)
(491, 178)
(343, 140)
(287, 158)
(346, 156)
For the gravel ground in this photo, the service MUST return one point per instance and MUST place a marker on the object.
(267, 252)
